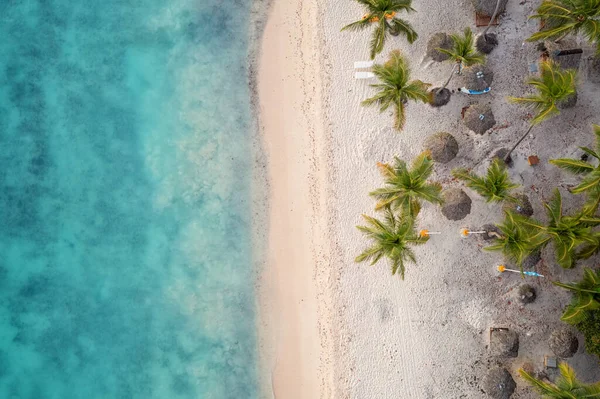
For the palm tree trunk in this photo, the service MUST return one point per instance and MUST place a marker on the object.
(491, 20)
(506, 158)
(450, 77)
(562, 37)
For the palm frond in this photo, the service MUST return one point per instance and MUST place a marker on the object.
(395, 89)
(391, 238)
(405, 188)
(495, 186)
(572, 165)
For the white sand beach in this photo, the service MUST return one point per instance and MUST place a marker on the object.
(331, 328)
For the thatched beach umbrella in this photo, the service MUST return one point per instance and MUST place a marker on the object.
(457, 204)
(479, 118)
(522, 206)
(442, 146)
(563, 342)
(526, 294)
(487, 7)
(532, 260)
(501, 154)
(594, 69)
(504, 343)
(489, 228)
(476, 77)
(569, 102)
(486, 43)
(498, 383)
(439, 97)
(438, 40)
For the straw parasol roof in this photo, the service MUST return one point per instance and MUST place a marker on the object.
(571, 60)
(532, 260)
(439, 97)
(526, 293)
(569, 102)
(563, 342)
(504, 343)
(498, 383)
(442, 146)
(501, 153)
(521, 207)
(488, 228)
(485, 44)
(477, 77)
(438, 40)
(457, 204)
(479, 118)
(594, 69)
(487, 7)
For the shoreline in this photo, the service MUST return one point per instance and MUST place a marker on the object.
(292, 324)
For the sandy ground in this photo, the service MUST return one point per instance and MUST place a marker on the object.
(293, 335)
(335, 329)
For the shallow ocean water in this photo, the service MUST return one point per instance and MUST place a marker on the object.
(124, 200)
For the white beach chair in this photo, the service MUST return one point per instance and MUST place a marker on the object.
(363, 64)
(364, 75)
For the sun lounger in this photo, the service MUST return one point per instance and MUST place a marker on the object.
(469, 91)
(363, 64)
(363, 75)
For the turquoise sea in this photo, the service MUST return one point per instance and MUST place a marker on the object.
(125, 131)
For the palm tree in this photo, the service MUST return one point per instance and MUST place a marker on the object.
(405, 188)
(395, 89)
(391, 238)
(591, 182)
(587, 296)
(554, 86)
(486, 43)
(383, 14)
(516, 240)
(564, 17)
(463, 53)
(495, 186)
(568, 233)
(567, 386)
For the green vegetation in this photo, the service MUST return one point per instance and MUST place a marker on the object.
(382, 13)
(590, 328)
(405, 188)
(590, 183)
(395, 89)
(463, 53)
(554, 86)
(392, 238)
(566, 387)
(495, 186)
(568, 233)
(565, 17)
(586, 296)
(517, 240)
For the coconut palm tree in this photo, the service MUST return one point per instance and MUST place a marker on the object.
(405, 187)
(395, 89)
(586, 296)
(495, 186)
(554, 86)
(568, 233)
(516, 240)
(485, 43)
(564, 17)
(590, 183)
(566, 387)
(463, 53)
(392, 238)
(382, 14)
